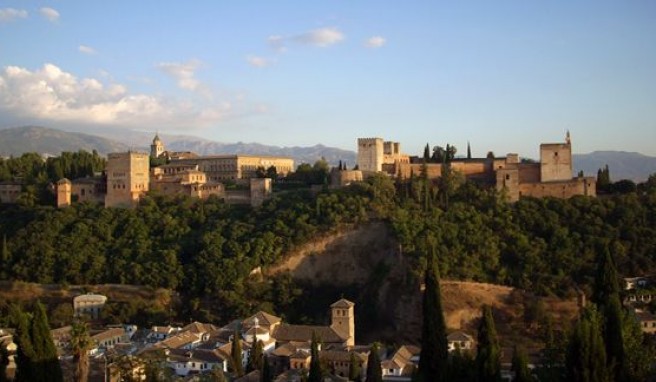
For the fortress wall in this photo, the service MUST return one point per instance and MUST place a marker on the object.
(529, 173)
(563, 189)
(405, 169)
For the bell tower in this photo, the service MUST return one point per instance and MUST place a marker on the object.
(157, 147)
(343, 320)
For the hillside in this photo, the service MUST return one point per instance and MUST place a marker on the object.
(366, 264)
(19, 140)
(622, 164)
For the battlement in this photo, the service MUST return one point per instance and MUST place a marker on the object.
(364, 141)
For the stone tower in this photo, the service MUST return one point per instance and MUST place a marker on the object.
(157, 147)
(370, 154)
(64, 190)
(556, 161)
(128, 178)
(343, 320)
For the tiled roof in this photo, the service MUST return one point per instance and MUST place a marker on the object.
(203, 355)
(336, 355)
(179, 340)
(199, 327)
(342, 303)
(285, 350)
(107, 334)
(263, 318)
(286, 333)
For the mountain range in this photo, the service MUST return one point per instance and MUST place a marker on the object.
(18, 140)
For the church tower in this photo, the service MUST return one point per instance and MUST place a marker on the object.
(157, 147)
(343, 320)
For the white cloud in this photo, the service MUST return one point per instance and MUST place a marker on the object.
(53, 95)
(258, 62)
(375, 42)
(277, 43)
(86, 49)
(320, 37)
(9, 14)
(49, 13)
(183, 73)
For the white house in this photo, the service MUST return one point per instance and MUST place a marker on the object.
(183, 362)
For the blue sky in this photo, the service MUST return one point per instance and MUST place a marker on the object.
(505, 75)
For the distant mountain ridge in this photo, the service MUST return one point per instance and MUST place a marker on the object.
(19, 140)
(622, 164)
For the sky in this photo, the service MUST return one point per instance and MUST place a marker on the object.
(504, 75)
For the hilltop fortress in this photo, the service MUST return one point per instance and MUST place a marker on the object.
(129, 176)
(552, 176)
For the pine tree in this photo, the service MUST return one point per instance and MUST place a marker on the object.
(520, 366)
(315, 363)
(45, 353)
(354, 368)
(80, 345)
(433, 361)
(235, 354)
(488, 353)
(374, 371)
(586, 354)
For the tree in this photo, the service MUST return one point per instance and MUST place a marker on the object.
(374, 371)
(315, 363)
(255, 355)
(469, 155)
(45, 353)
(25, 367)
(520, 366)
(265, 375)
(586, 355)
(4, 258)
(354, 368)
(235, 355)
(606, 279)
(433, 361)
(80, 345)
(488, 353)
(427, 153)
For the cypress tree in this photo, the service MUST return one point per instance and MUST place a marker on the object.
(265, 374)
(255, 356)
(426, 153)
(606, 280)
(4, 258)
(45, 353)
(354, 368)
(586, 354)
(315, 363)
(607, 297)
(25, 351)
(374, 371)
(434, 358)
(235, 354)
(488, 353)
(469, 156)
(520, 366)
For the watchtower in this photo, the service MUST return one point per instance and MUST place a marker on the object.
(370, 154)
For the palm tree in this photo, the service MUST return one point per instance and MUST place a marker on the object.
(80, 345)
